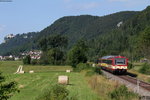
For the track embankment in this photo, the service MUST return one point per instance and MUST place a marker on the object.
(137, 86)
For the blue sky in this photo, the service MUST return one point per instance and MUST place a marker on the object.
(22, 16)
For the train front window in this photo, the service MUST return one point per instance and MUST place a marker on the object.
(120, 61)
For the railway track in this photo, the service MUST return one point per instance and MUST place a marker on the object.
(138, 86)
(136, 82)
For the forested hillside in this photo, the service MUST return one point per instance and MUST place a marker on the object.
(103, 37)
(74, 27)
(86, 26)
(20, 43)
(132, 39)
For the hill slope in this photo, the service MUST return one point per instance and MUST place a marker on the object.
(132, 39)
(74, 27)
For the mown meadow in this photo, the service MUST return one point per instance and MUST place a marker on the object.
(33, 85)
(82, 85)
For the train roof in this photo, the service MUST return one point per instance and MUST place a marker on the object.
(112, 56)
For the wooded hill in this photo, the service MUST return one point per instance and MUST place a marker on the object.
(102, 34)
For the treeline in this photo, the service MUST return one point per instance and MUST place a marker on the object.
(55, 52)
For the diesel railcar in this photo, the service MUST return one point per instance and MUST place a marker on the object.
(114, 64)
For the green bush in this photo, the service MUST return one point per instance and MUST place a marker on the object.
(130, 65)
(27, 60)
(57, 92)
(34, 62)
(98, 70)
(122, 93)
(90, 73)
(82, 66)
(93, 71)
(145, 69)
(7, 90)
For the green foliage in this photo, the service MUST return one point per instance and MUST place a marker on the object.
(145, 69)
(90, 73)
(19, 44)
(57, 92)
(53, 41)
(7, 89)
(44, 59)
(74, 27)
(77, 54)
(122, 93)
(34, 61)
(27, 60)
(43, 44)
(93, 71)
(53, 49)
(130, 65)
(57, 41)
(97, 70)
(55, 56)
(82, 66)
(144, 42)
(131, 39)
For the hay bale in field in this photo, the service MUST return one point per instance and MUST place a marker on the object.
(68, 71)
(21, 72)
(31, 71)
(63, 80)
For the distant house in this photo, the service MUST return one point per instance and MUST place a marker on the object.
(1, 57)
(16, 58)
(144, 60)
(35, 54)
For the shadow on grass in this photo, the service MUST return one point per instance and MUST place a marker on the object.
(131, 74)
(71, 84)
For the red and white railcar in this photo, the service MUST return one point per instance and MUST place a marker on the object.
(114, 64)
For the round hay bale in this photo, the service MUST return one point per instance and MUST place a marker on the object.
(68, 71)
(63, 80)
(31, 71)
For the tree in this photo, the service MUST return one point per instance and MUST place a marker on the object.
(55, 56)
(77, 54)
(27, 60)
(7, 89)
(145, 42)
(57, 41)
(53, 49)
(43, 44)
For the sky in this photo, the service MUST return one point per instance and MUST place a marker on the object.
(22, 16)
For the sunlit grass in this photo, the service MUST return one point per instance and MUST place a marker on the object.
(33, 85)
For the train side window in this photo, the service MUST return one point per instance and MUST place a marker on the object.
(109, 61)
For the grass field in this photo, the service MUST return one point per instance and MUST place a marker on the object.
(32, 85)
(136, 69)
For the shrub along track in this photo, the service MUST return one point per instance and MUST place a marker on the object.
(138, 86)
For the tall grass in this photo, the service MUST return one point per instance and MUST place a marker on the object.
(109, 90)
(57, 92)
(122, 93)
(145, 69)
